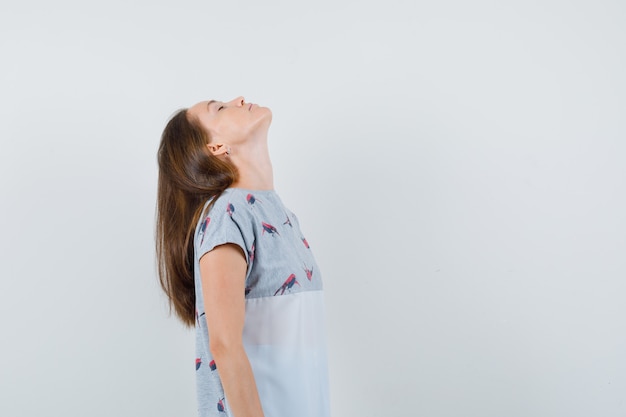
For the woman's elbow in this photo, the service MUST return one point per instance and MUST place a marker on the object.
(221, 347)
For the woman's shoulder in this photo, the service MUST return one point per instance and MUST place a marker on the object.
(231, 201)
(240, 204)
(249, 198)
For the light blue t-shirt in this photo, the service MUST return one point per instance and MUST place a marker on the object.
(284, 331)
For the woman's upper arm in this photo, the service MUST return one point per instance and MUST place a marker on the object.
(223, 275)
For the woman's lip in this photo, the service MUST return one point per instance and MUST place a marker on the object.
(250, 108)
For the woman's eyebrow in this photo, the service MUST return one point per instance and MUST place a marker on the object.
(208, 105)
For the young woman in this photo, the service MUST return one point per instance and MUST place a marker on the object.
(235, 264)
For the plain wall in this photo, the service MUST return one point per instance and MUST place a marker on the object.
(458, 167)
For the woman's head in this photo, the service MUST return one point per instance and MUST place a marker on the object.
(231, 123)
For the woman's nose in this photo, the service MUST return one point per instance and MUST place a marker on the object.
(239, 101)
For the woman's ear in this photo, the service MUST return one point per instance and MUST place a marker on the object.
(218, 149)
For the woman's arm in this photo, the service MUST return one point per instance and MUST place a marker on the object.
(223, 272)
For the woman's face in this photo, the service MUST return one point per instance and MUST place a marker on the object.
(232, 121)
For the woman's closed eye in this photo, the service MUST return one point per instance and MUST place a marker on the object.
(220, 108)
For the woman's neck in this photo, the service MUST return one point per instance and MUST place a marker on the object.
(254, 166)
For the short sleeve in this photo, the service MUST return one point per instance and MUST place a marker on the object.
(224, 224)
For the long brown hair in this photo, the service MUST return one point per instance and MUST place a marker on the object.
(189, 175)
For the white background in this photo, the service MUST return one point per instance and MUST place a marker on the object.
(458, 167)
